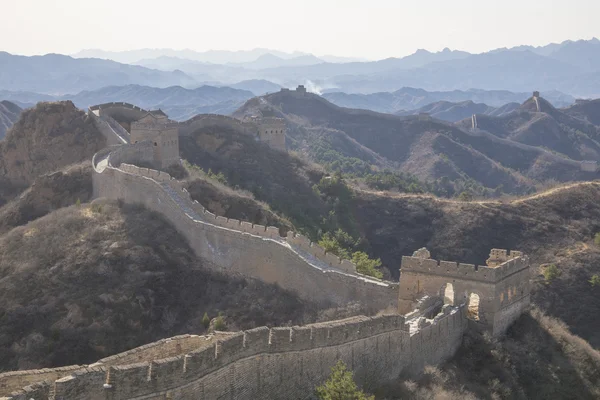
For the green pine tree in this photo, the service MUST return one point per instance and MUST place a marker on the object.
(205, 321)
(341, 386)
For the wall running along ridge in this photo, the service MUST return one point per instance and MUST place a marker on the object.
(104, 115)
(238, 247)
(263, 363)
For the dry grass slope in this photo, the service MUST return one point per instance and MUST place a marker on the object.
(539, 359)
(89, 281)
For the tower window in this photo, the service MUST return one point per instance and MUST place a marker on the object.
(155, 144)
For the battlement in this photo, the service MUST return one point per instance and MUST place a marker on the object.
(462, 270)
(118, 104)
(501, 289)
(239, 247)
(233, 359)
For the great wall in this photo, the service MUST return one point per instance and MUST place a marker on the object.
(424, 320)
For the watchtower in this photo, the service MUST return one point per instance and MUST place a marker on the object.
(271, 130)
(496, 294)
(301, 89)
(156, 127)
(536, 94)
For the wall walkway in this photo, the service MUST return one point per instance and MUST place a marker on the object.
(238, 247)
(263, 363)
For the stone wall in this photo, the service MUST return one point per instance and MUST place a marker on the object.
(140, 153)
(15, 380)
(120, 110)
(240, 248)
(503, 291)
(112, 137)
(277, 363)
(186, 128)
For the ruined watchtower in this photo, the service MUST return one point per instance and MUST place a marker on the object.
(496, 294)
(156, 127)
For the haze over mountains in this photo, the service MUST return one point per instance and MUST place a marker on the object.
(510, 151)
(571, 67)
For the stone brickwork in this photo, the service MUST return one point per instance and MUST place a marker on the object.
(268, 130)
(272, 132)
(263, 363)
(240, 248)
(112, 137)
(502, 287)
(164, 136)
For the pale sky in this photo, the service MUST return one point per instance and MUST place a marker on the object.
(372, 29)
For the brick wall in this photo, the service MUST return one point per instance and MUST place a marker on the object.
(277, 363)
(240, 248)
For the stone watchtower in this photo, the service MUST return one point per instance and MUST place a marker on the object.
(495, 294)
(271, 130)
(162, 132)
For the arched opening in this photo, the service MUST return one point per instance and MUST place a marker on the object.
(448, 293)
(155, 144)
(473, 307)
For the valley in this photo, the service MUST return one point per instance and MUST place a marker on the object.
(271, 223)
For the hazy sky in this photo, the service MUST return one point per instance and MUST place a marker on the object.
(366, 28)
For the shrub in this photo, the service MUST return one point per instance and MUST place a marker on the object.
(597, 239)
(220, 177)
(465, 196)
(78, 202)
(205, 321)
(551, 272)
(220, 323)
(366, 265)
(96, 208)
(595, 281)
(341, 386)
(339, 243)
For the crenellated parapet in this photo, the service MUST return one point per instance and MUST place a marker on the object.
(465, 271)
(238, 247)
(497, 292)
(252, 364)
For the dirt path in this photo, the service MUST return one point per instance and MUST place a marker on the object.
(481, 202)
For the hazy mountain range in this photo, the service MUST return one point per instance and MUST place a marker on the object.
(181, 103)
(571, 67)
(409, 98)
(512, 149)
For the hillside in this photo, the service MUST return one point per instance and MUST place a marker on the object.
(89, 281)
(553, 227)
(430, 149)
(46, 138)
(408, 98)
(453, 112)
(551, 128)
(9, 113)
(587, 110)
(538, 359)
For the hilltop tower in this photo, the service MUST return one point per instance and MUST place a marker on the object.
(156, 127)
(496, 294)
(271, 130)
